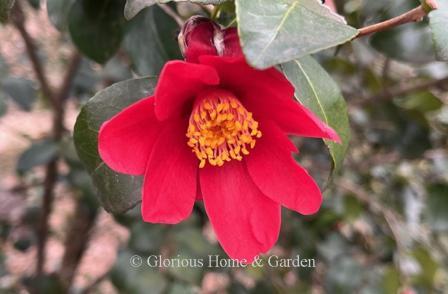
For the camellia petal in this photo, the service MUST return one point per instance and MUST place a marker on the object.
(125, 141)
(179, 82)
(296, 119)
(170, 184)
(246, 222)
(268, 93)
(279, 177)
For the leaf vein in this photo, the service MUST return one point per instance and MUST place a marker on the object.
(313, 90)
(277, 30)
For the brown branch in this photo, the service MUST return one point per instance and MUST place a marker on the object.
(392, 219)
(74, 63)
(52, 167)
(57, 103)
(76, 240)
(413, 15)
(19, 20)
(402, 91)
(51, 174)
(61, 97)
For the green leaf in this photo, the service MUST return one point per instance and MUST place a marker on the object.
(39, 153)
(437, 207)
(274, 32)
(423, 101)
(3, 106)
(391, 280)
(58, 11)
(178, 288)
(191, 244)
(345, 276)
(5, 8)
(133, 7)
(151, 41)
(4, 68)
(137, 279)
(117, 192)
(320, 93)
(428, 267)
(146, 238)
(96, 27)
(48, 283)
(21, 90)
(438, 21)
(35, 4)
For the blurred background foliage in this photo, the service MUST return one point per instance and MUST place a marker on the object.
(382, 229)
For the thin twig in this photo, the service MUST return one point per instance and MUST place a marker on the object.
(413, 15)
(57, 100)
(62, 95)
(51, 174)
(168, 10)
(18, 19)
(77, 240)
(392, 219)
(52, 167)
(402, 91)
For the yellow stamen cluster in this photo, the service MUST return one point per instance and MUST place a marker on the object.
(221, 129)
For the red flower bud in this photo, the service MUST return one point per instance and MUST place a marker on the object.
(202, 36)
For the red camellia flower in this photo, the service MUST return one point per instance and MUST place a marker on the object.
(216, 130)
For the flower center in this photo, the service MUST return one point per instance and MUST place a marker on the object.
(220, 128)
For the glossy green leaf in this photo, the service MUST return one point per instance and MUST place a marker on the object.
(428, 267)
(20, 90)
(4, 68)
(146, 238)
(345, 276)
(274, 32)
(438, 20)
(39, 153)
(127, 277)
(423, 101)
(320, 93)
(5, 8)
(96, 27)
(117, 192)
(3, 106)
(391, 280)
(47, 283)
(133, 7)
(151, 41)
(179, 288)
(35, 4)
(194, 246)
(437, 207)
(58, 11)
